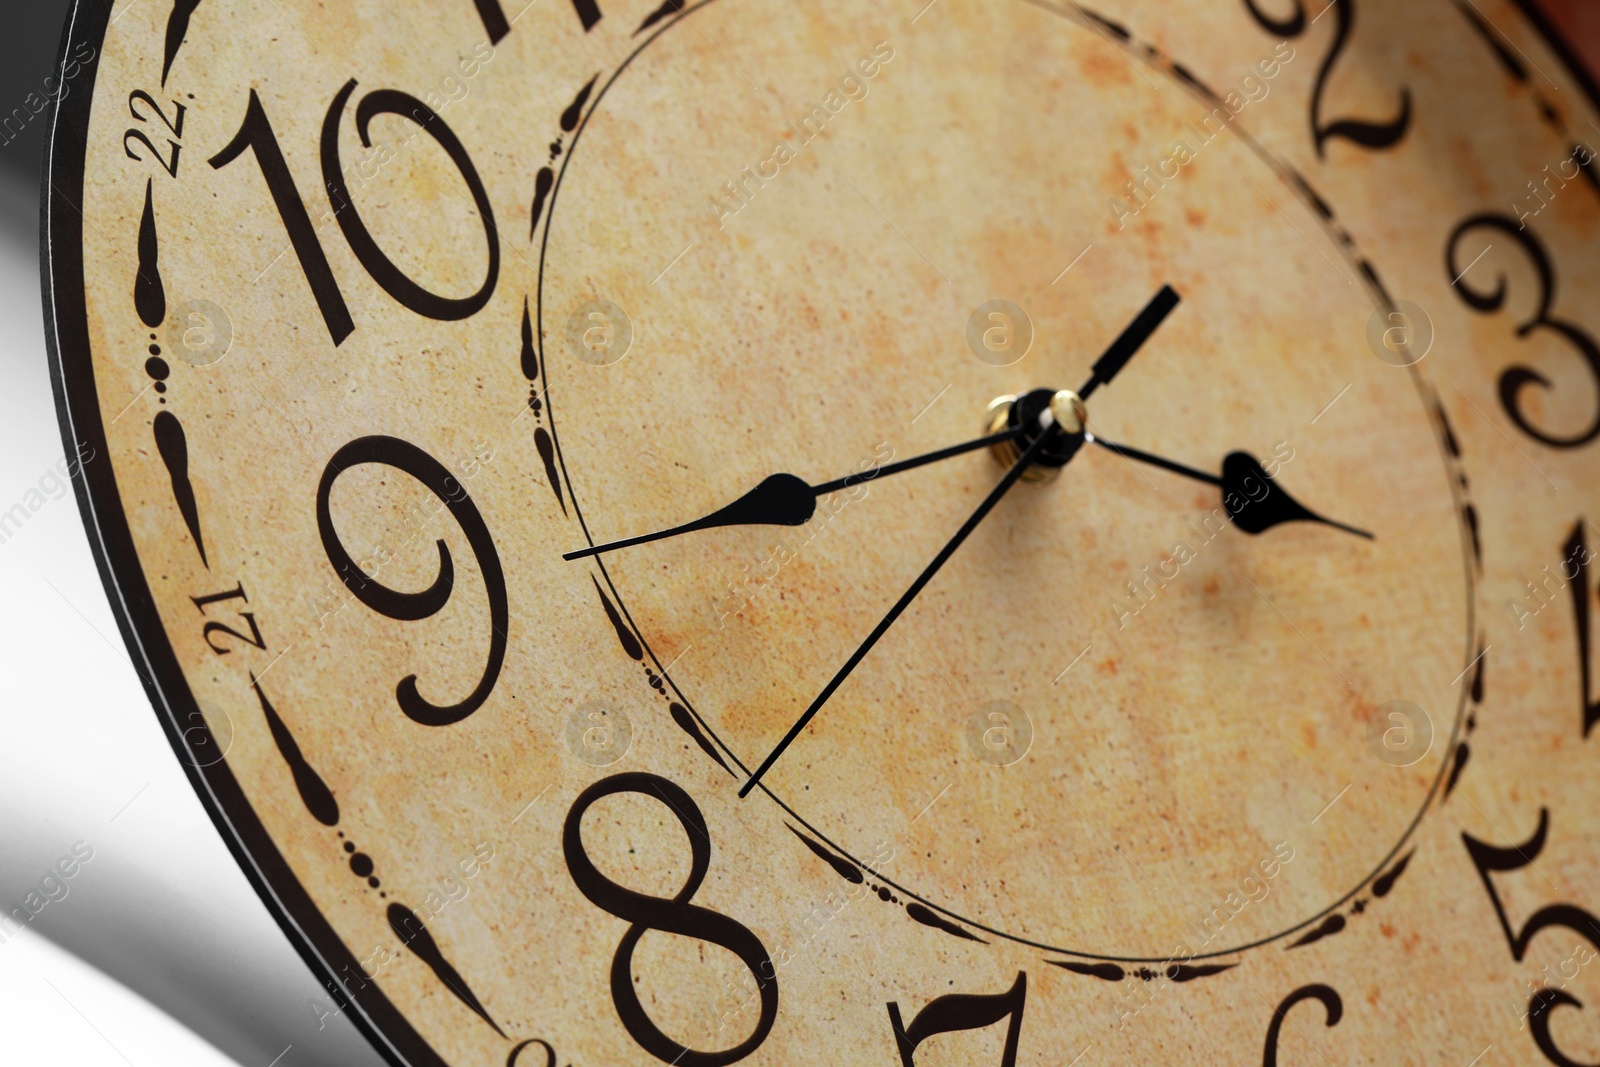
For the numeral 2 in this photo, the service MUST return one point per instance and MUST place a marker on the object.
(1367, 134)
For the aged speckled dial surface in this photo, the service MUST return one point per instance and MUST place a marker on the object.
(861, 532)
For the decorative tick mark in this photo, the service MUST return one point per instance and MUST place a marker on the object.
(574, 111)
(843, 867)
(149, 295)
(1327, 928)
(630, 643)
(177, 28)
(666, 10)
(547, 452)
(1106, 972)
(404, 922)
(927, 917)
(541, 189)
(314, 792)
(686, 723)
(1184, 972)
(1463, 754)
(1385, 883)
(173, 447)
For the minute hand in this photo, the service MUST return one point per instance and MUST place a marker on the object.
(1242, 482)
(786, 500)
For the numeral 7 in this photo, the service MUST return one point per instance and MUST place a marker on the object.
(963, 1011)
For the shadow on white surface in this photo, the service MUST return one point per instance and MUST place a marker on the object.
(59, 1008)
(160, 906)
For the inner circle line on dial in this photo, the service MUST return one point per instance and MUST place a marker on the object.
(1296, 186)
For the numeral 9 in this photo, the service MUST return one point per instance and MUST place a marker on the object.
(403, 456)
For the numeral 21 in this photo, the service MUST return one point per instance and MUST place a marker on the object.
(214, 629)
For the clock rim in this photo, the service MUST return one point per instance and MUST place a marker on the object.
(73, 382)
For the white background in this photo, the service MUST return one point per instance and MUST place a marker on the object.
(160, 954)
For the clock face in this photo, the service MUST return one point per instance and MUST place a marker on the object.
(742, 531)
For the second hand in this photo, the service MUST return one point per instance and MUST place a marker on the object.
(905, 600)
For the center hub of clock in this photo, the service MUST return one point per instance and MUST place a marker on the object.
(1037, 412)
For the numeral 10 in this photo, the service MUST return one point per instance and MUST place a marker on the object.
(257, 134)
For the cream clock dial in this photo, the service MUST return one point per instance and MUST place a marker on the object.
(995, 531)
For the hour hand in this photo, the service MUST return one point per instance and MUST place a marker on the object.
(780, 500)
(1251, 496)
(787, 500)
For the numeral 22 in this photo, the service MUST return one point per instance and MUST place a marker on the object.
(174, 126)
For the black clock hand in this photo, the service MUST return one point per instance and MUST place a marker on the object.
(1049, 434)
(786, 500)
(1127, 343)
(1240, 471)
(1060, 425)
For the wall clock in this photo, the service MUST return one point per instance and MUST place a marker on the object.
(988, 532)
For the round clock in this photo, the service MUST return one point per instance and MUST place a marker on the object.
(991, 531)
